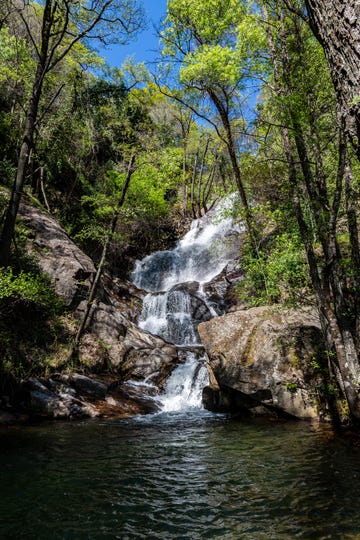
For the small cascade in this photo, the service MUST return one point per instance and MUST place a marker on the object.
(168, 315)
(183, 390)
(176, 301)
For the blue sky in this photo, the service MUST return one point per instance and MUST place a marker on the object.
(145, 47)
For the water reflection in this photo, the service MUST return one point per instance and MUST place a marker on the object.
(174, 476)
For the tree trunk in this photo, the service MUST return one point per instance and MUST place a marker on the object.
(30, 124)
(336, 24)
(92, 293)
(230, 144)
(327, 284)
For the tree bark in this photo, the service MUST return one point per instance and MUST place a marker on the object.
(336, 24)
(30, 123)
(328, 283)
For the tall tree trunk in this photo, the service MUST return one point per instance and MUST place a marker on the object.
(93, 290)
(327, 284)
(336, 24)
(231, 148)
(30, 124)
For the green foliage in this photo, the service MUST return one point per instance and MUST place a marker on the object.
(28, 287)
(31, 330)
(291, 387)
(278, 274)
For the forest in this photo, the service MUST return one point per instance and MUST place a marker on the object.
(259, 98)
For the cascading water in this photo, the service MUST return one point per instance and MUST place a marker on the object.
(176, 301)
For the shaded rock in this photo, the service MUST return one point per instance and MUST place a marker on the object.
(86, 385)
(221, 290)
(77, 396)
(128, 297)
(264, 357)
(147, 357)
(230, 400)
(58, 402)
(107, 328)
(111, 340)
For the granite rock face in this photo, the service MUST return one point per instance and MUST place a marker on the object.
(264, 361)
(57, 256)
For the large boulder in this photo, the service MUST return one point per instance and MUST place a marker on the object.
(264, 360)
(57, 256)
(71, 396)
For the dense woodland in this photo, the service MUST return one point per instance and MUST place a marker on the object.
(259, 97)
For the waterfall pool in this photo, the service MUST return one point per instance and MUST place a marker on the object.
(178, 476)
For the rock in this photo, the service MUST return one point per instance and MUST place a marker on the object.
(68, 267)
(141, 394)
(147, 357)
(6, 417)
(128, 297)
(221, 290)
(86, 385)
(264, 357)
(58, 402)
(199, 310)
(107, 328)
(110, 339)
(48, 404)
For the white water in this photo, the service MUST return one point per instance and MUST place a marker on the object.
(175, 282)
(183, 390)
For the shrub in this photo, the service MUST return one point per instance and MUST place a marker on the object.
(278, 274)
(28, 287)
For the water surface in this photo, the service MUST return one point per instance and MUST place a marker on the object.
(183, 476)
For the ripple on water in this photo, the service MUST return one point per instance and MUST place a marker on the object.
(176, 476)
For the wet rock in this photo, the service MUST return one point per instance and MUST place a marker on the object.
(264, 357)
(151, 270)
(221, 291)
(199, 310)
(141, 394)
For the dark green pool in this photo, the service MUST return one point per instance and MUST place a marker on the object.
(194, 476)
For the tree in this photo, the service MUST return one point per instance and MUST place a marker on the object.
(335, 23)
(63, 25)
(214, 65)
(99, 272)
(319, 180)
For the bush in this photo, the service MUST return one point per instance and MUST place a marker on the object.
(278, 274)
(28, 287)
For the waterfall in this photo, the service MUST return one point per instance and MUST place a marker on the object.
(176, 301)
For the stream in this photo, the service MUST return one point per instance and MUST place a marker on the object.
(178, 476)
(182, 473)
